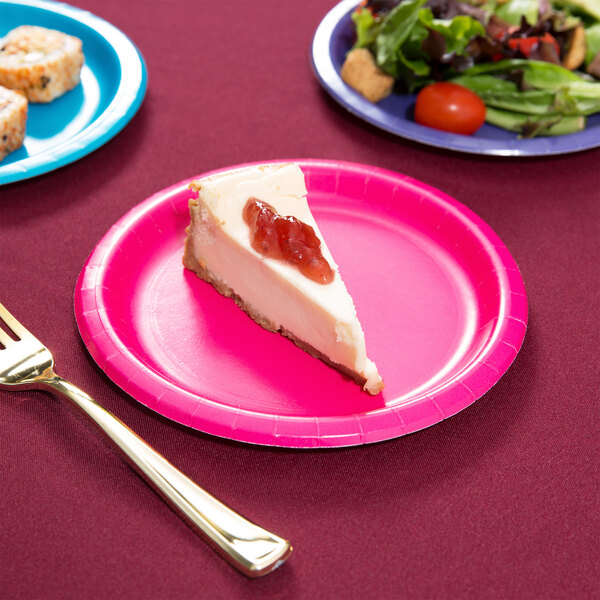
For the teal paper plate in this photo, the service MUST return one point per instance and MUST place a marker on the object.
(113, 85)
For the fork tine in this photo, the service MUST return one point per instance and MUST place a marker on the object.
(5, 339)
(13, 324)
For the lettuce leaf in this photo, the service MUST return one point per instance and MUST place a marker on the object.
(588, 7)
(513, 10)
(529, 126)
(501, 93)
(394, 31)
(535, 74)
(505, 94)
(592, 39)
(457, 32)
(366, 27)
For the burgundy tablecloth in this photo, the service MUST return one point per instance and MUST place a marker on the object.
(499, 501)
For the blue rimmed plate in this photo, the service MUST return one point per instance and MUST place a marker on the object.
(113, 85)
(335, 36)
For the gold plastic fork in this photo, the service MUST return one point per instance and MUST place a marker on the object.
(27, 363)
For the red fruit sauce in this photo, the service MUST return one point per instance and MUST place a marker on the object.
(286, 238)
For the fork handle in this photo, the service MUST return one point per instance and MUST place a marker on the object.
(248, 547)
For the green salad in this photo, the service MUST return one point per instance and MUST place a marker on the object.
(535, 64)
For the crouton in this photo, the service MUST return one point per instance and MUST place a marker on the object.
(361, 73)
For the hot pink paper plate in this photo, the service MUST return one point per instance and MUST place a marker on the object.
(440, 298)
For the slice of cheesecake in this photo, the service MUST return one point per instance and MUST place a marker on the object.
(253, 237)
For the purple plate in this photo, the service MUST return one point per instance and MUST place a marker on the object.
(335, 36)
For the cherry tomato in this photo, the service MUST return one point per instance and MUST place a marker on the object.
(450, 107)
(525, 45)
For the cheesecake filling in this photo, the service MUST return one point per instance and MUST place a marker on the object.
(321, 316)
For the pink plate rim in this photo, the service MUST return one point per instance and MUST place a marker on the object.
(155, 391)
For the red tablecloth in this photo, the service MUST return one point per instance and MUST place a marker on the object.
(499, 501)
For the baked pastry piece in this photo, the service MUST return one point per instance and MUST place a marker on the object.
(315, 312)
(13, 118)
(42, 63)
(361, 73)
